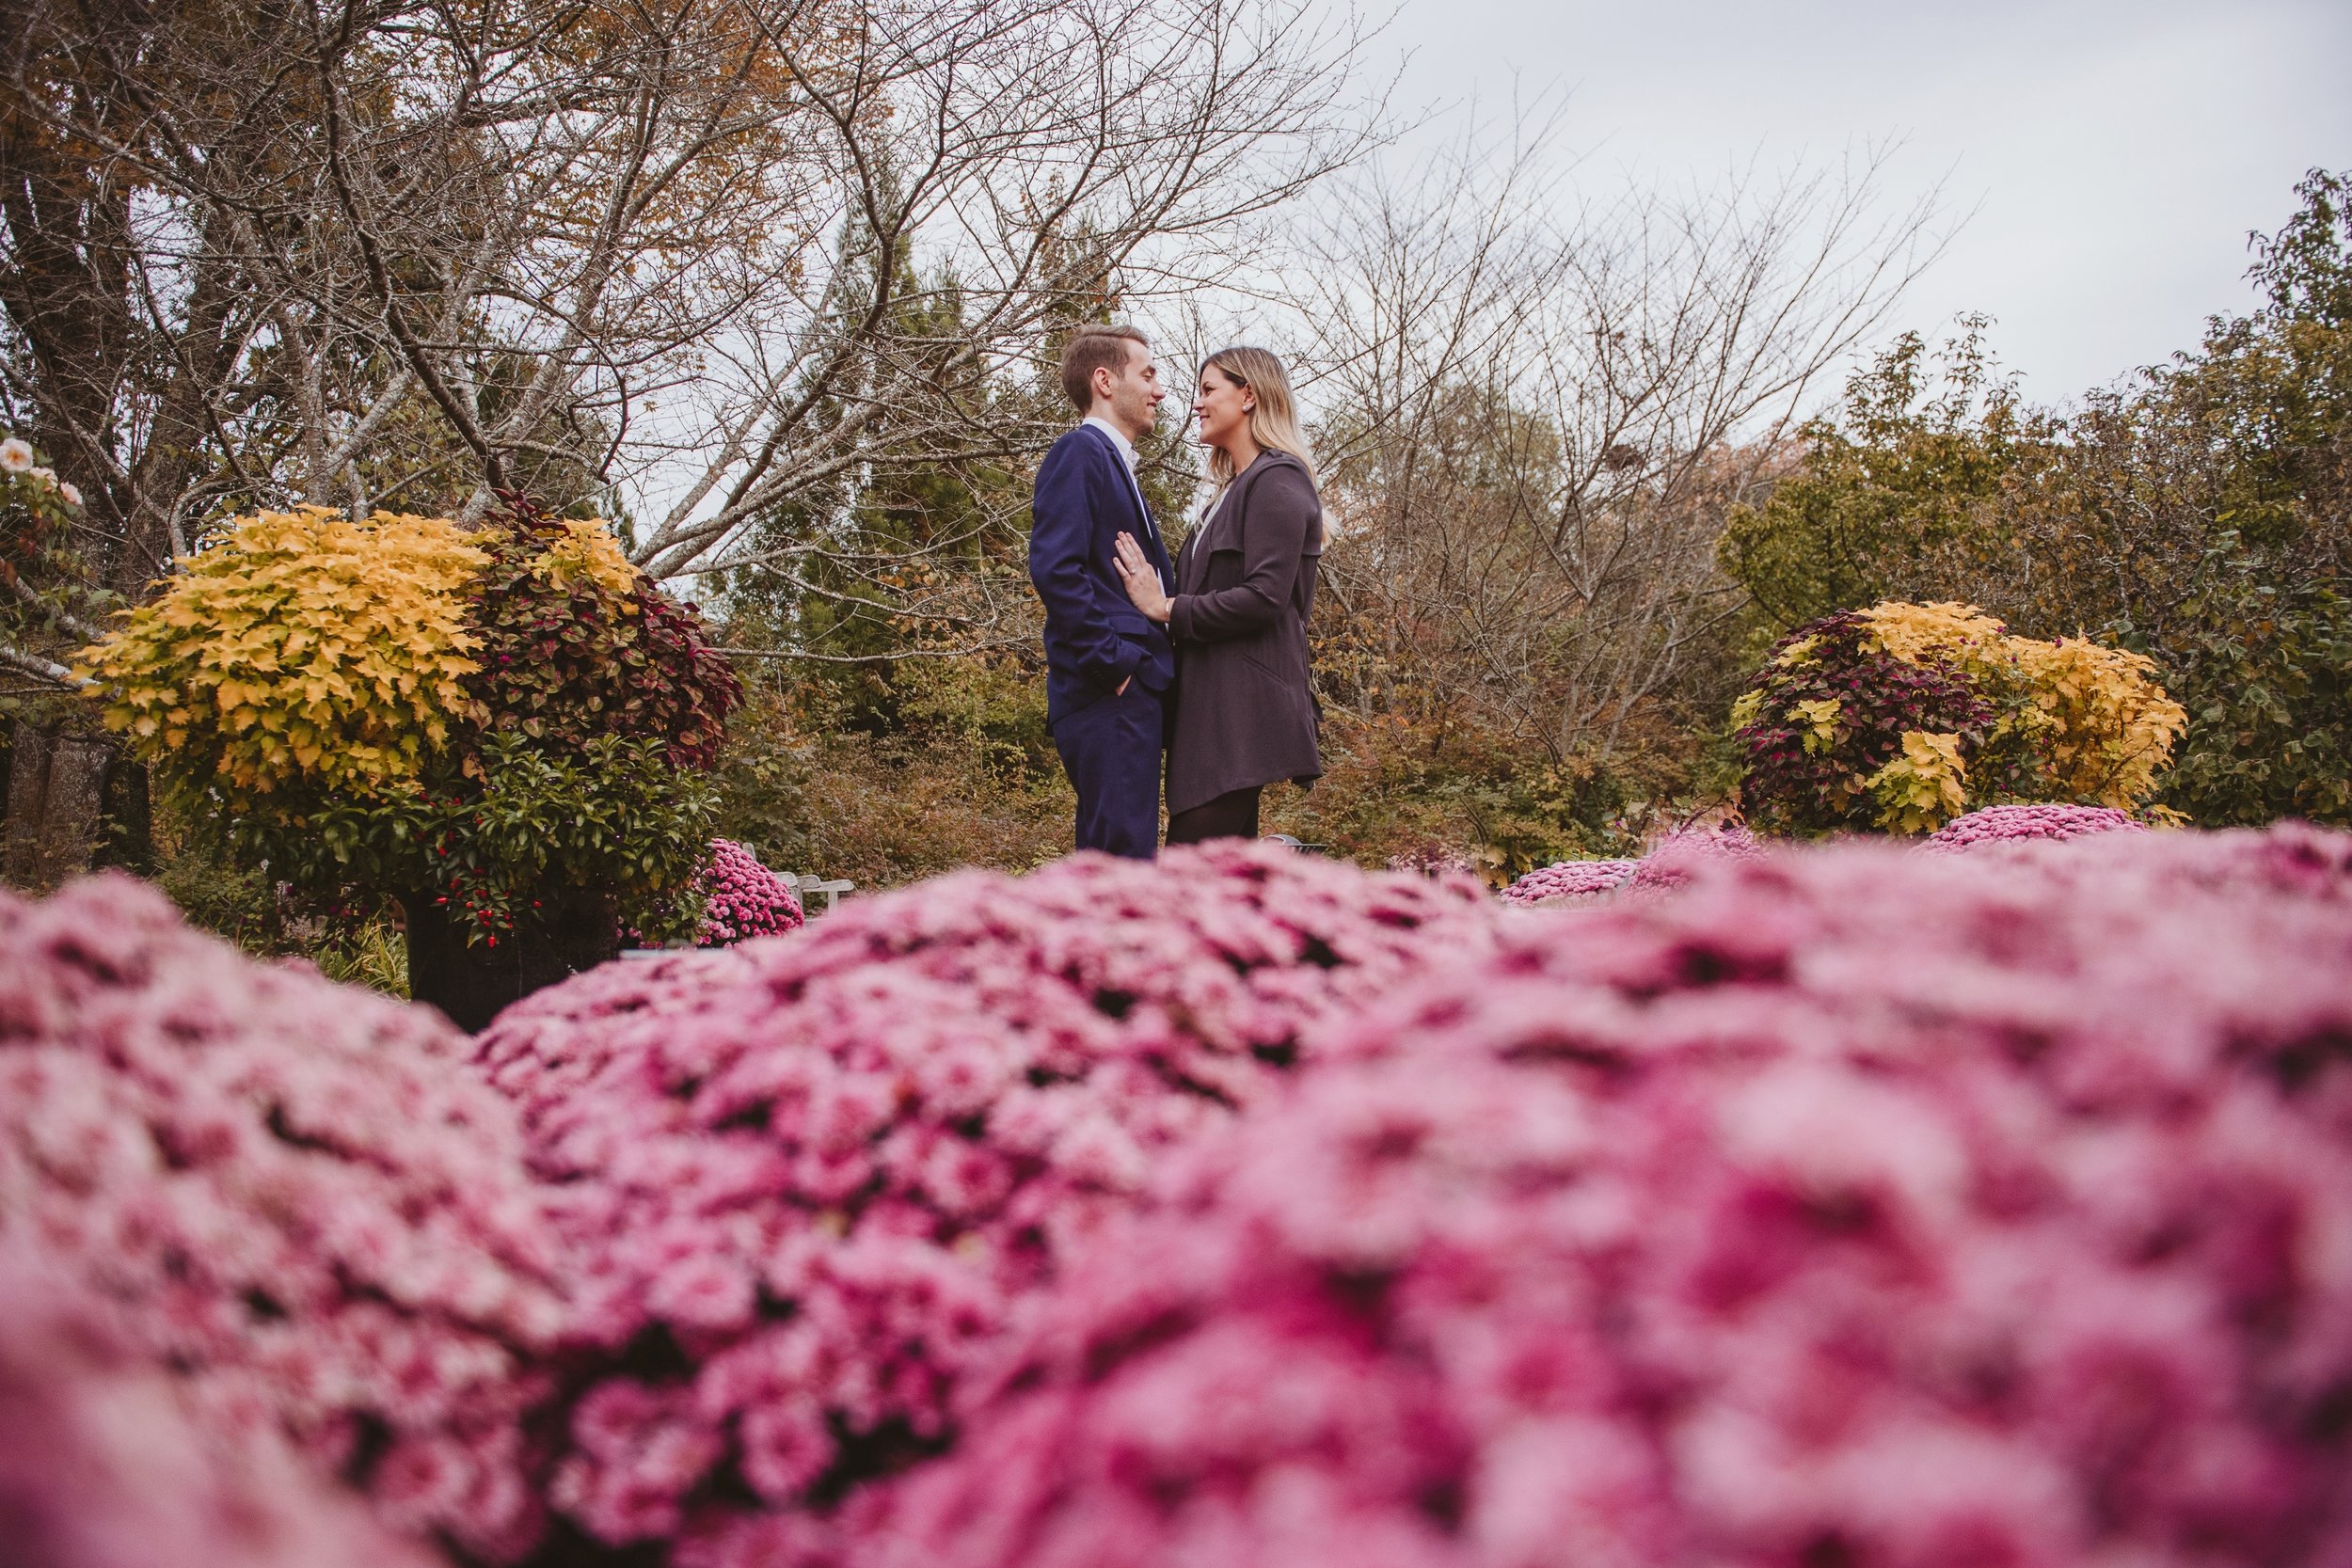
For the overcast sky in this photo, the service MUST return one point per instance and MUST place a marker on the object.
(2113, 154)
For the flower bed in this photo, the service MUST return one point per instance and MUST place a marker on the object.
(1844, 1207)
(292, 1192)
(1569, 879)
(1674, 858)
(1667, 865)
(810, 1180)
(2028, 825)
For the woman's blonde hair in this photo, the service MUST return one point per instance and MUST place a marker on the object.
(1273, 419)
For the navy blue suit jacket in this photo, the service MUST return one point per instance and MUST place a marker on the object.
(1095, 637)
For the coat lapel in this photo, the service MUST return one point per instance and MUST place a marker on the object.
(1193, 560)
(1135, 486)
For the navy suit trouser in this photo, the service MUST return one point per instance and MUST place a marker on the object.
(1111, 750)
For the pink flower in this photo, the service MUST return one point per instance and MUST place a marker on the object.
(743, 898)
(1846, 1205)
(107, 1462)
(824, 1175)
(288, 1191)
(2028, 824)
(1570, 879)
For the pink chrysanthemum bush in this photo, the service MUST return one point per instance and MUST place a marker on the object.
(1570, 879)
(1673, 859)
(810, 1180)
(294, 1193)
(2028, 825)
(742, 898)
(106, 1462)
(1850, 1207)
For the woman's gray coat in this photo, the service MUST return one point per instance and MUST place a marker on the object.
(1242, 713)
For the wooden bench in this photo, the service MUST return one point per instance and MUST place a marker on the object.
(811, 886)
(1298, 844)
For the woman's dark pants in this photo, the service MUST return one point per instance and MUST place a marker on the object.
(1233, 814)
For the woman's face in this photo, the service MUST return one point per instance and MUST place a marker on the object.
(1221, 409)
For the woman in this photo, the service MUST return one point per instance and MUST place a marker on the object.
(1242, 715)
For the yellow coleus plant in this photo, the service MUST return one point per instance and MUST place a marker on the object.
(2112, 725)
(1923, 786)
(2098, 717)
(588, 552)
(1957, 633)
(1820, 717)
(303, 647)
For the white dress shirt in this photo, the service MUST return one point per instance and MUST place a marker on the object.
(1119, 439)
(1127, 455)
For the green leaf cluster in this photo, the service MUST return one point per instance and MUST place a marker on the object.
(615, 817)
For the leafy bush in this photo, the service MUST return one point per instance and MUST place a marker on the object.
(809, 1181)
(2199, 514)
(2263, 663)
(575, 644)
(291, 1191)
(1902, 716)
(302, 651)
(534, 827)
(1400, 781)
(489, 724)
(1735, 1227)
(957, 784)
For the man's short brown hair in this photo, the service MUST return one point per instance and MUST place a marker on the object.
(1090, 349)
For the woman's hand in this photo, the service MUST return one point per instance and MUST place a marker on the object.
(1142, 579)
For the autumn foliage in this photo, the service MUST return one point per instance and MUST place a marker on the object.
(574, 643)
(490, 723)
(1904, 716)
(301, 650)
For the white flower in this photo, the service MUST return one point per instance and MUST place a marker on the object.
(15, 456)
(72, 495)
(47, 475)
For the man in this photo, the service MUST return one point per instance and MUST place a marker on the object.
(1106, 668)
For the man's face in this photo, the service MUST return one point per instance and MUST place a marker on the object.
(1135, 392)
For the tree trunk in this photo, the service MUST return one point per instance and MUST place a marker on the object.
(471, 981)
(56, 794)
(127, 835)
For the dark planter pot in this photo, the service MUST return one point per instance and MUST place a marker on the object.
(470, 981)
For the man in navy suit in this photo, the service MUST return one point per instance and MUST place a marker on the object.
(1106, 666)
